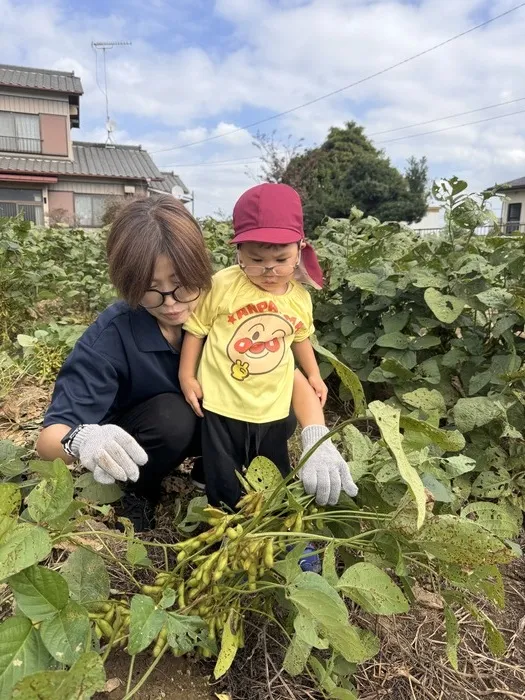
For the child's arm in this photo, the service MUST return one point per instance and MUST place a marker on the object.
(305, 357)
(189, 359)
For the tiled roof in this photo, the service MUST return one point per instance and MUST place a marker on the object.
(90, 159)
(515, 184)
(170, 181)
(40, 79)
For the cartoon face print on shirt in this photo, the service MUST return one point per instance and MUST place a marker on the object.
(258, 346)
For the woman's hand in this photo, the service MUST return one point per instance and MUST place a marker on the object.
(192, 393)
(319, 387)
(325, 473)
(109, 452)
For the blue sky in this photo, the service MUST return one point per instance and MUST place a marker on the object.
(198, 68)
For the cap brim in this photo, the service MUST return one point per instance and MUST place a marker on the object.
(278, 236)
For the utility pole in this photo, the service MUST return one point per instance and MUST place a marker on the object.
(106, 46)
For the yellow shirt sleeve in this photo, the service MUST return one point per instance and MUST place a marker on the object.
(201, 320)
(308, 329)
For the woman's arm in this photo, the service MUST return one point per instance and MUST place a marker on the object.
(48, 444)
(189, 360)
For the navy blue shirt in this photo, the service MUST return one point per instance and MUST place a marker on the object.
(121, 360)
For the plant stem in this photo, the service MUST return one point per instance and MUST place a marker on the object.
(130, 694)
(130, 673)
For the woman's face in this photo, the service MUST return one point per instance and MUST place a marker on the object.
(172, 312)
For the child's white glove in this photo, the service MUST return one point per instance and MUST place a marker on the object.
(325, 472)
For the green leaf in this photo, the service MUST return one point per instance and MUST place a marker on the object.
(347, 325)
(348, 377)
(393, 340)
(39, 592)
(329, 570)
(476, 412)
(437, 488)
(87, 576)
(460, 541)
(492, 484)
(21, 652)
(372, 589)
(26, 341)
(461, 464)
(297, 656)
(478, 381)
(426, 400)
(21, 546)
(183, 631)
(137, 554)
(496, 299)
(82, 681)
(10, 462)
(53, 494)
(92, 491)
(396, 368)
(262, 474)
(387, 419)
(229, 644)
(445, 308)
(10, 500)
(65, 634)
(168, 598)
(423, 277)
(424, 342)
(315, 598)
(146, 621)
(495, 640)
(395, 322)
(452, 635)
(448, 440)
(502, 520)
(194, 515)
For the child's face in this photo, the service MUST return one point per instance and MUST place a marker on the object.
(269, 267)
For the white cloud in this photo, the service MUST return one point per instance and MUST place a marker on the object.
(265, 56)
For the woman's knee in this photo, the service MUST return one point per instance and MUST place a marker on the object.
(173, 421)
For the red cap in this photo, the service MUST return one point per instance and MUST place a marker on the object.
(268, 213)
(272, 213)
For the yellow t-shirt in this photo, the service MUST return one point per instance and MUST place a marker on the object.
(247, 365)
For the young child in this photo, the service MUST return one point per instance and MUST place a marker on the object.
(256, 319)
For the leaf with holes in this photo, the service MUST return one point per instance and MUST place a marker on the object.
(53, 494)
(39, 592)
(427, 400)
(297, 656)
(183, 631)
(501, 519)
(445, 307)
(387, 419)
(460, 541)
(229, 644)
(448, 440)
(476, 412)
(262, 474)
(393, 340)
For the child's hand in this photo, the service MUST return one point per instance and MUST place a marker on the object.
(192, 393)
(319, 387)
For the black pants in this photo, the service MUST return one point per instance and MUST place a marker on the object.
(228, 445)
(168, 430)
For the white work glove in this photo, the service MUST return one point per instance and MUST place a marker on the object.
(325, 472)
(109, 452)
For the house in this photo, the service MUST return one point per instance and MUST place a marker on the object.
(433, 220)
(48, 176)
(513, 206)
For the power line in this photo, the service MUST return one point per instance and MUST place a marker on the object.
(449, 116)
(211, 162)
(345, 87)
(457, 126)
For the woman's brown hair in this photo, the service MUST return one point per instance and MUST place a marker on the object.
(147, 228)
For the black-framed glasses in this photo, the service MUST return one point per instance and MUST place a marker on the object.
(154, 298)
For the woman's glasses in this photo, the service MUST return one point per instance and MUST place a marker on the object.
(153, 298)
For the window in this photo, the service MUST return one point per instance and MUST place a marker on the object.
(513, 217)
(89, 209)
(19, 201)
(20, 133)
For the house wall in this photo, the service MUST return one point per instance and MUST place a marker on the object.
(60, 202)
(514, 197)
(55, 131)
(88, 187)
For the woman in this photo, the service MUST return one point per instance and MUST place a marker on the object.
(117, 405)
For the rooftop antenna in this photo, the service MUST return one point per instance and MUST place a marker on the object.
(106, 46)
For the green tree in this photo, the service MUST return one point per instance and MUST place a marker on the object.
(348, 170)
